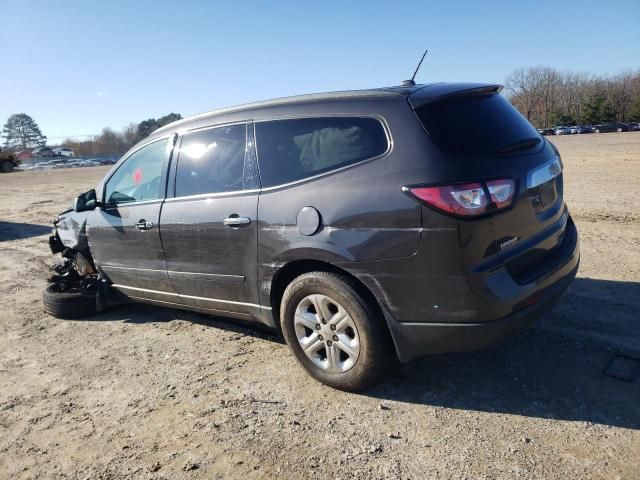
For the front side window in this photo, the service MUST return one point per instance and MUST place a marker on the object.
(290, 150)
(139, 177)
(211, 161)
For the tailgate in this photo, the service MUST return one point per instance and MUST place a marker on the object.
(530, 232)
(483, 138)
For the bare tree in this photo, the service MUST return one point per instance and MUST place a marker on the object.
(521, 89)
(621, 94)
(547, 96)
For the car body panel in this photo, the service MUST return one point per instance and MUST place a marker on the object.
(129, 257)
(213, 265)
(424, 268)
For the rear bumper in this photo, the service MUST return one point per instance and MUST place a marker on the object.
(528, 303)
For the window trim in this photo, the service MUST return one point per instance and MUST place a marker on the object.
(173, 173)
(163, 174)
(251, 123)
(379, 118)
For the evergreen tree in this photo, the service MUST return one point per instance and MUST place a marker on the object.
(146, 127)
(597, 110)
(21, 132)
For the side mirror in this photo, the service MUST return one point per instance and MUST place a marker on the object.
(86, 201)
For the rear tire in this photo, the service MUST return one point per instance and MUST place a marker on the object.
(6, 166)
(358, 349)
(68, 304)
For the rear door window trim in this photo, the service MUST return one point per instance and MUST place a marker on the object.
(379, 118)
(171, 188)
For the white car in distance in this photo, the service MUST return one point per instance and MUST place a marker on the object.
(63, 152)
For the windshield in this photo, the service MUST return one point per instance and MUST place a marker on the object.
(477, 125)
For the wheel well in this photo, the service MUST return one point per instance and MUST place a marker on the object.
(287, 273)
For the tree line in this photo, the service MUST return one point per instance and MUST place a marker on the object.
(21, 132)
(544, 95)
(112, 142)
(549, 97)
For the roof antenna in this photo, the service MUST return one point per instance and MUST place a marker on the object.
(411, 83)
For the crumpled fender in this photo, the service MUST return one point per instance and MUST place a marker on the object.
(71, 227)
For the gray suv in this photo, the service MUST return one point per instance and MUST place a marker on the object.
(366, 226)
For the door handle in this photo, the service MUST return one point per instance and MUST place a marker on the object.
(234, 220)
(144, 225)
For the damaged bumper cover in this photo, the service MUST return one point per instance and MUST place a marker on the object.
(55, 244)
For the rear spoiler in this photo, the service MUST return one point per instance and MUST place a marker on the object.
(440, 91)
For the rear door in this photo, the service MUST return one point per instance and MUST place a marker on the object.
(209, 227)
(124, 234)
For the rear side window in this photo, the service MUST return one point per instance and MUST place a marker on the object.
(476, 124)
(211, 161)
(290, 150)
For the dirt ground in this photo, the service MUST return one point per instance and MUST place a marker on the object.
(146, 392)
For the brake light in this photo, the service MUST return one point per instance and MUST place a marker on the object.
(467, 200)
(501, 192)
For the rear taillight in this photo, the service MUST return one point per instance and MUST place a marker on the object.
(501, 192)
(468, 199)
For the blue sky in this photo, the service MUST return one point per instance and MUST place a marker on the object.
(77, 66)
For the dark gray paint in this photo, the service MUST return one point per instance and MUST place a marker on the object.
(431, 274)
(308, 221)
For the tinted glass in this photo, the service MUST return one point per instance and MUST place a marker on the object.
(475, 124)
(138, 178)
(211, 161)
(290, 150)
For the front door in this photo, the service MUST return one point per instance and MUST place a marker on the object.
(209, 227)
(124, 232)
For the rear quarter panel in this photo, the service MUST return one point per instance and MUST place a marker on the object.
(364, 214)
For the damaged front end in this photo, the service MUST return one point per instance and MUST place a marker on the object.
(76, 287)
(76, 272)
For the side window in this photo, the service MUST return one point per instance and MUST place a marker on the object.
(211, 161)
(290, 150)
(139, 177)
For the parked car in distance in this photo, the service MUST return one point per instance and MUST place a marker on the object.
(560, 130)
(41, 152)
(579, 129)
(611, 127)
(356, 223)
(49, 164)
(89, 163)
(107, 160)
(634, 126)
(63, 152)
(546, 131)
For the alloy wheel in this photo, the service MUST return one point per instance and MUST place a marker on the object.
(326, 333)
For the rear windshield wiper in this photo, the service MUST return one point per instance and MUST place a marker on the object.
(521, 145)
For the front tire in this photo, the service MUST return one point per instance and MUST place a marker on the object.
(6, 166)
(333, 331)
(68, 303)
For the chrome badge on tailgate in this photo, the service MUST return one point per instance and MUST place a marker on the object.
(544, 173)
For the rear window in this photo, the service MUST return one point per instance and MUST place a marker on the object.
(475, 124)
(290, 150)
